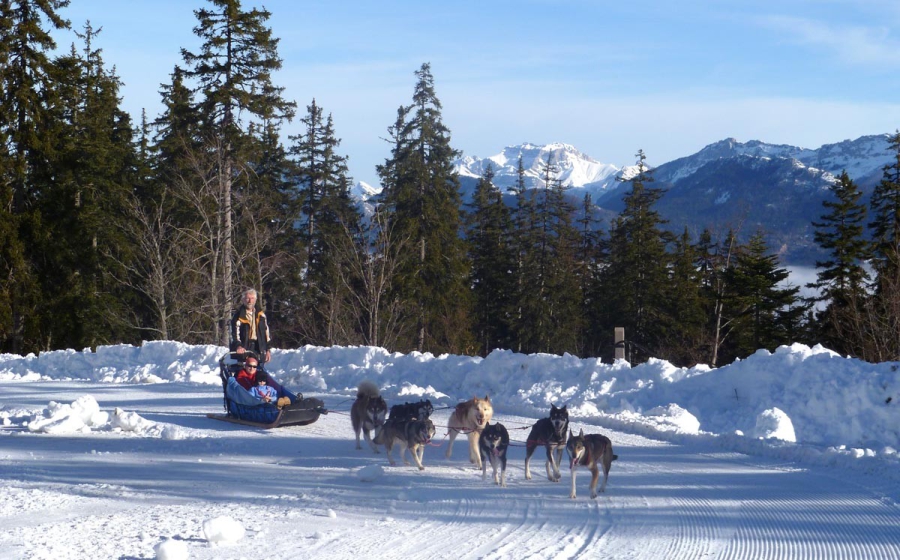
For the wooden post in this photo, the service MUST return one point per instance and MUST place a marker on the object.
(620, 343)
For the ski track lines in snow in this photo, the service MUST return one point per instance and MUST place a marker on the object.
(295, 491)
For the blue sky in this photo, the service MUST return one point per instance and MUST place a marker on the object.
(608, 77)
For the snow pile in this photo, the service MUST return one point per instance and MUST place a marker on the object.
(84, 416)
(774, 423)
(222, 530)
(171, 549)
(370, 473)
(80, 416)
(811, 386)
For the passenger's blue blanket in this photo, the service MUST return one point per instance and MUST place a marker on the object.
(238, 394)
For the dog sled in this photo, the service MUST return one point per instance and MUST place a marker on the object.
(243, 408)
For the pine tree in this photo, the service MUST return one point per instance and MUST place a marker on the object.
(634, 280)
(91, 175)
(841, 279)
(233, 71)
(326, 215)
(421, 194)
(25, 87)
(885, 225)
(765, 311)
(684, 321)
(493, 265)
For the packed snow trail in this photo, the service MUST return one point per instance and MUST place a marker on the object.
(299, 493)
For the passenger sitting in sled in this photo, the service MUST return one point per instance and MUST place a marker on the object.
(246, 377)
(262, 390)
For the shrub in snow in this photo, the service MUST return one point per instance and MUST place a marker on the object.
(222, 529)
(171, 550)
(774, 423)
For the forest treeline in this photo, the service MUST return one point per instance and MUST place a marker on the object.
(119, 231)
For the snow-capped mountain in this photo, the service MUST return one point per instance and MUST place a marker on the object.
(742, 186)
(573, 168)
(745, 187)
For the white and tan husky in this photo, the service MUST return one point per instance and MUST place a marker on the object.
(470, 418)
(591, 451)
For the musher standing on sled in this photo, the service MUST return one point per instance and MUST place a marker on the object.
(249, 329)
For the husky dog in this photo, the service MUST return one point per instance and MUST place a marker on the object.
(493, 443)
(551, 433)
(367, 412)
(470, 418)
(411, 411)
(411, 434)
(590, 450)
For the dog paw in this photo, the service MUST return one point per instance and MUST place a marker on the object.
(421, 468)
(572, 496)
(593, 495)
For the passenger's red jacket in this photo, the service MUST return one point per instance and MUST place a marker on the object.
(245, 379)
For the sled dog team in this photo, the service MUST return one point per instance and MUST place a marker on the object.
(409, 426)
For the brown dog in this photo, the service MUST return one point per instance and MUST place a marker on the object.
(368, 412)
(470, 418)
(590, 450)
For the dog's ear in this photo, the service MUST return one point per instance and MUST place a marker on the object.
(581, 432)
(552, 407)
(487, 398)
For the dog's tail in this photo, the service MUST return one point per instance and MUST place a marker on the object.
(367, 388)
(614, 457)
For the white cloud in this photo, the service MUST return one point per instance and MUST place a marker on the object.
(851, 44)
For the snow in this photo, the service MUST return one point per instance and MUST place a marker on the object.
(109, 454)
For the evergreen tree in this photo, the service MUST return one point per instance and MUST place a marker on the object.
(421, 194)
(684, 321)
(25, 85)
(841, 279)
(493, 265)
(635, 277)
(88, 181)
(233, 71)
(326, 215)
(886, 216)
(766, 312)
(881, 320)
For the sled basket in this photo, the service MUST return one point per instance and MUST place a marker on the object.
(241, 408)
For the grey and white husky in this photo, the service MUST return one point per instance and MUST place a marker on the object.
(368, 412)
(592, 451)
(551, 433)
(411, 434)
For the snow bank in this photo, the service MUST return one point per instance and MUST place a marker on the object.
(829, 400)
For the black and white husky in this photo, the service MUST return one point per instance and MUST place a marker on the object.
(493, 444)
(411, 411)
(411, 434)
(551, 433)
(368, 412)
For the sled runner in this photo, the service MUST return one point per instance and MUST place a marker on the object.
(243, 408)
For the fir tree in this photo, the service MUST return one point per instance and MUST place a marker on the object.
(25, 90)
(421, 194)
(233, 71)
(885, 225)
(493, 265)
(684, 320)
(841, 279)
(635, 277)
(326, 214)
(765, 310)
